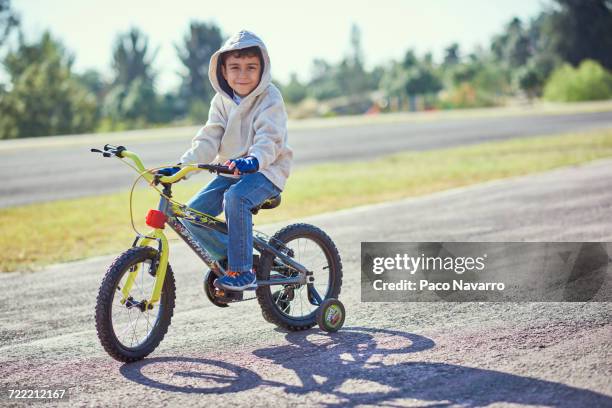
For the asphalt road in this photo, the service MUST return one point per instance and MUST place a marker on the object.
(388, 354)
(66, 169)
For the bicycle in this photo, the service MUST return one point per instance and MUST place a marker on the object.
(139, 283)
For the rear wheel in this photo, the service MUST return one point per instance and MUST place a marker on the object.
(130, 331)
(294, 307)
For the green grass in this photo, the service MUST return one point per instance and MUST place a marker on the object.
(39, 234)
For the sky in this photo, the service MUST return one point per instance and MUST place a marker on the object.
(294, 32)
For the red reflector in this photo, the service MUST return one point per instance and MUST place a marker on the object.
(156, 219)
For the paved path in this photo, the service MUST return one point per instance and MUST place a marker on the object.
(389, 354)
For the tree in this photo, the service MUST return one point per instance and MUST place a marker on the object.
(357, 51)
(323, 84)
(579, 30)
(132, 96)
(531, 77)
(572, 31)
(8, 20)
(350, 73)
(199, 44)
(294, 91)
(410, 59)
(93, 81)
(451, 55)
(45, 98)
(394, 80)
(131, 58)
(422, 80)
(466, 71)
(513, 46)
(529, 80)
(411, 78)
(136, 103)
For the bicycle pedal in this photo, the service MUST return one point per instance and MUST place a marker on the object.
(227, 296)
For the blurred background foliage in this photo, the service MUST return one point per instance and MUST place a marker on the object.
(563, 54)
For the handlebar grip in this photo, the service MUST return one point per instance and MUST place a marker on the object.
(216, 168)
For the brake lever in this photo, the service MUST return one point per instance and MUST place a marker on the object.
(105, 154)
(112, 149)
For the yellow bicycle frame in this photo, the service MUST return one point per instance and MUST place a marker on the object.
(155, 235)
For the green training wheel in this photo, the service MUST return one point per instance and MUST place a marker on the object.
(330, 315)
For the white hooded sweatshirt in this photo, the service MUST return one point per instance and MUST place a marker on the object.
(256, 127)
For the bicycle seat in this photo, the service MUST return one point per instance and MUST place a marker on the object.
(272, 202)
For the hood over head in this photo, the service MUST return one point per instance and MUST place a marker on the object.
(240, 40)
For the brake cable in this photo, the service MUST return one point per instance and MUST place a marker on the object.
(141, 175)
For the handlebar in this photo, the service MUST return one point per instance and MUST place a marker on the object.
(216, 168)
(213, 168)
(122, 152)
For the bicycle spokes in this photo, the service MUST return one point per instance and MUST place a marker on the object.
(132, 320)
(302, 300)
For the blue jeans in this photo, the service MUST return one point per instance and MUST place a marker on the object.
(236, 196)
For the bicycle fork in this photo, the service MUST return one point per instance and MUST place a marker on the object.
(160, 266)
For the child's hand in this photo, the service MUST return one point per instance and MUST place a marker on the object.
(243, 165)
(232, 165)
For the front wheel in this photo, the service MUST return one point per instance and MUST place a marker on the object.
(294, 307)
(130, 331)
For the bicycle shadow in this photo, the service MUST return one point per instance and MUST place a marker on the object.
(348, 368)
(218, 377)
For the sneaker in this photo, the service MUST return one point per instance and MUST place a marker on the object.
(237, 281)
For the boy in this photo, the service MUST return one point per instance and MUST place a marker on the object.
(247, 130)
